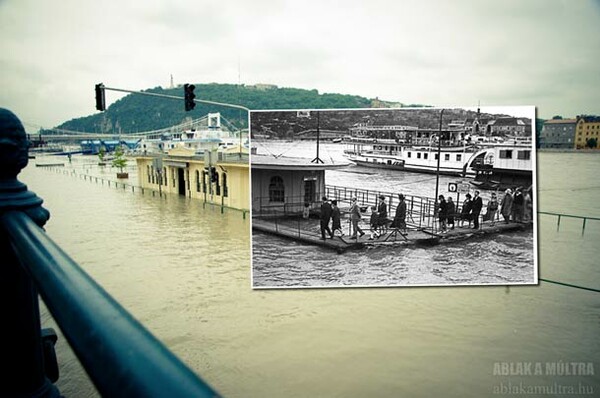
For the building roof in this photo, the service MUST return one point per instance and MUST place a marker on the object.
(560, 121)
(509, 121)
(288, 163)
(589, 118)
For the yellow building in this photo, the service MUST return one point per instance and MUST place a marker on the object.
(587, 132)
(218, 177)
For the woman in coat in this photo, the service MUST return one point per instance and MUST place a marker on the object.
(465, 213)
(506, 205)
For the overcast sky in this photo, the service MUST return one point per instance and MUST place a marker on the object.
(544, 53)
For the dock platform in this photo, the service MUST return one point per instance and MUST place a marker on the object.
(308, 231)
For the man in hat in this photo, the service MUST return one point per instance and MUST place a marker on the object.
(382, 212)
(476, 209)
(492, 209)
(326, 211)
(442, 214)
(517, 206)
(355, 218)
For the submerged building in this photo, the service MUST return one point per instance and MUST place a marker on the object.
(219, 177)
(558, 133)
(587, 132)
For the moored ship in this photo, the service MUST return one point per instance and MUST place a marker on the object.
(409, 148)
(503, 166)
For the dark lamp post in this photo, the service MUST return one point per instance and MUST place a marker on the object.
(317, 159)
(437, 174)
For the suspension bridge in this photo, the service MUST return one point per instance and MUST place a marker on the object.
(59, 135)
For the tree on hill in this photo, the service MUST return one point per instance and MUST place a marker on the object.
(138, 113)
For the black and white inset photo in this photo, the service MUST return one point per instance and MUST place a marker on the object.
(393, 197)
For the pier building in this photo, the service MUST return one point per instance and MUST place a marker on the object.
(219, 176)
(286, 185)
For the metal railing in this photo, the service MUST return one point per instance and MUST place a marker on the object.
(419, 210)
(560, 216)
(119, 354)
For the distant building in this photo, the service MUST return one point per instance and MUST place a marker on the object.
(264, 86)
(509, 126)
(377, 103)
(587, 131)
(217, 177)
(476, 126)
(558, 133)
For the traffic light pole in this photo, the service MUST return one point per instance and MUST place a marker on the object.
(176, 98)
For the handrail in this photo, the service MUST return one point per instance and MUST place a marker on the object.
(560, 215)
(122, 358)
(568, 215)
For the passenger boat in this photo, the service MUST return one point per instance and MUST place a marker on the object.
(409, 148)
(502, 166)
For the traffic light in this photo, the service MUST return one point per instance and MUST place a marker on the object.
(189, 96)
(100, 101)
(213, 174)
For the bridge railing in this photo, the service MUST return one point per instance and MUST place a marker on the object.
(119, 354)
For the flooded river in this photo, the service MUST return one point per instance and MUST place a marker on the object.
(184, 272)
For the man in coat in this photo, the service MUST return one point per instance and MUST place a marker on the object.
(476, 209)
(326, 211)
(382, 211)
(355, 218)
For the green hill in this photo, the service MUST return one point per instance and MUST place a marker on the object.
(138, 113)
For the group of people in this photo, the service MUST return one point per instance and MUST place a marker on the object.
(330, 212)
(471, 209)
(516, 207)
(513, 207)
(378, 220)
